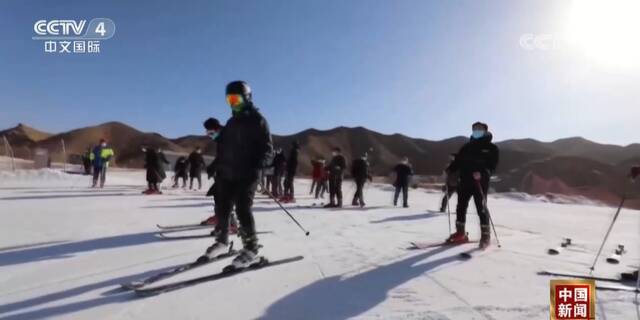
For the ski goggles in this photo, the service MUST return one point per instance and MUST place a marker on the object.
(235, 100)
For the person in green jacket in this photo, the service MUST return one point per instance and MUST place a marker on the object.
(100, 157)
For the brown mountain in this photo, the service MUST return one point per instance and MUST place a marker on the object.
(573, 166)
(125, 140)
(23, 139)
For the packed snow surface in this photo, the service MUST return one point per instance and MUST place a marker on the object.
(65, 248)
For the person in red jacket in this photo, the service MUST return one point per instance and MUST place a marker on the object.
(316, 174)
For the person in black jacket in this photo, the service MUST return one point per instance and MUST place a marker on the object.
(336, 168)
(292, 167)
(196, 164)
(244, 147)
(476, 162)
(180, 172)
(360, 174)
(450, 184)
(279, 167)
(153, 162)
(403, 172)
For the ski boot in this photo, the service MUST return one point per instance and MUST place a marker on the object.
(148, 191)
(460, 236)
(330, 205)
(215, 250)
(485, 237)
(249, 254)
(211, 221)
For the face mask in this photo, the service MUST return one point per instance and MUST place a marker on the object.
(199, 151)
(104, 145)
(213, 134)
(477, 134)
(235, 101)
(144, 150)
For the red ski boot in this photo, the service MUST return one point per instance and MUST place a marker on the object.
(459, 236)
(211, 221)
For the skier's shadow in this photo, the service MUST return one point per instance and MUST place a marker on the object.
(68, 249)
(337, 298)
(412, 217)
(175, 206)
(68, 196)
(109, 297)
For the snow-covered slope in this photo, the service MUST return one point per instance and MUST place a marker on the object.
(65, 248)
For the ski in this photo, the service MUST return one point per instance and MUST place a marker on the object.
(613, 287)
(163, 235)
(569, 274)
(177, 270)
(184, 226)
(426, 245)
(263, 263)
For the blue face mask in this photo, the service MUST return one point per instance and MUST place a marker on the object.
(213, 135)
(477, 134)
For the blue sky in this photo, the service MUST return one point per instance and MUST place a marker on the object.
(422, 68)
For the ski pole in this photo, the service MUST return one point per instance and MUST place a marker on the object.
(606, 236)
(486, 210)
(287, 212)
(446, 189)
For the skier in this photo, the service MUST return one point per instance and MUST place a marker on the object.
(451, 184)
(336, 173)
(476, 162)
(244, 147)
(86, 161)
(292, 167)
(213, 129)
(279, 166)
(360, 173)
(180, 172)
(196, 163)
(323, 186)
(267, 174)
(100, 157)
(316, 174)
(155, 169)
(403, 172)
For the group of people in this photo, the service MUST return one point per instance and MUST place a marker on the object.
(189, 168)
(277, 179)
(246, 160)
(329, 177)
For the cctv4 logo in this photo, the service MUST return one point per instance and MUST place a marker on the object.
(97, 28)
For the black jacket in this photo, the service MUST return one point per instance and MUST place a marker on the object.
(196, 163)
(403, 174)
(292, 162)
(244, 147)
(337, 166)
(360, 169)
(180, 168)
(477, 155)
(153, 162)
(279, 163)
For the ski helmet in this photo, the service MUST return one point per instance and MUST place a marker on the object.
(241, 88)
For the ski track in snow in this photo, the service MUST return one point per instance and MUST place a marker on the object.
(65, 249)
